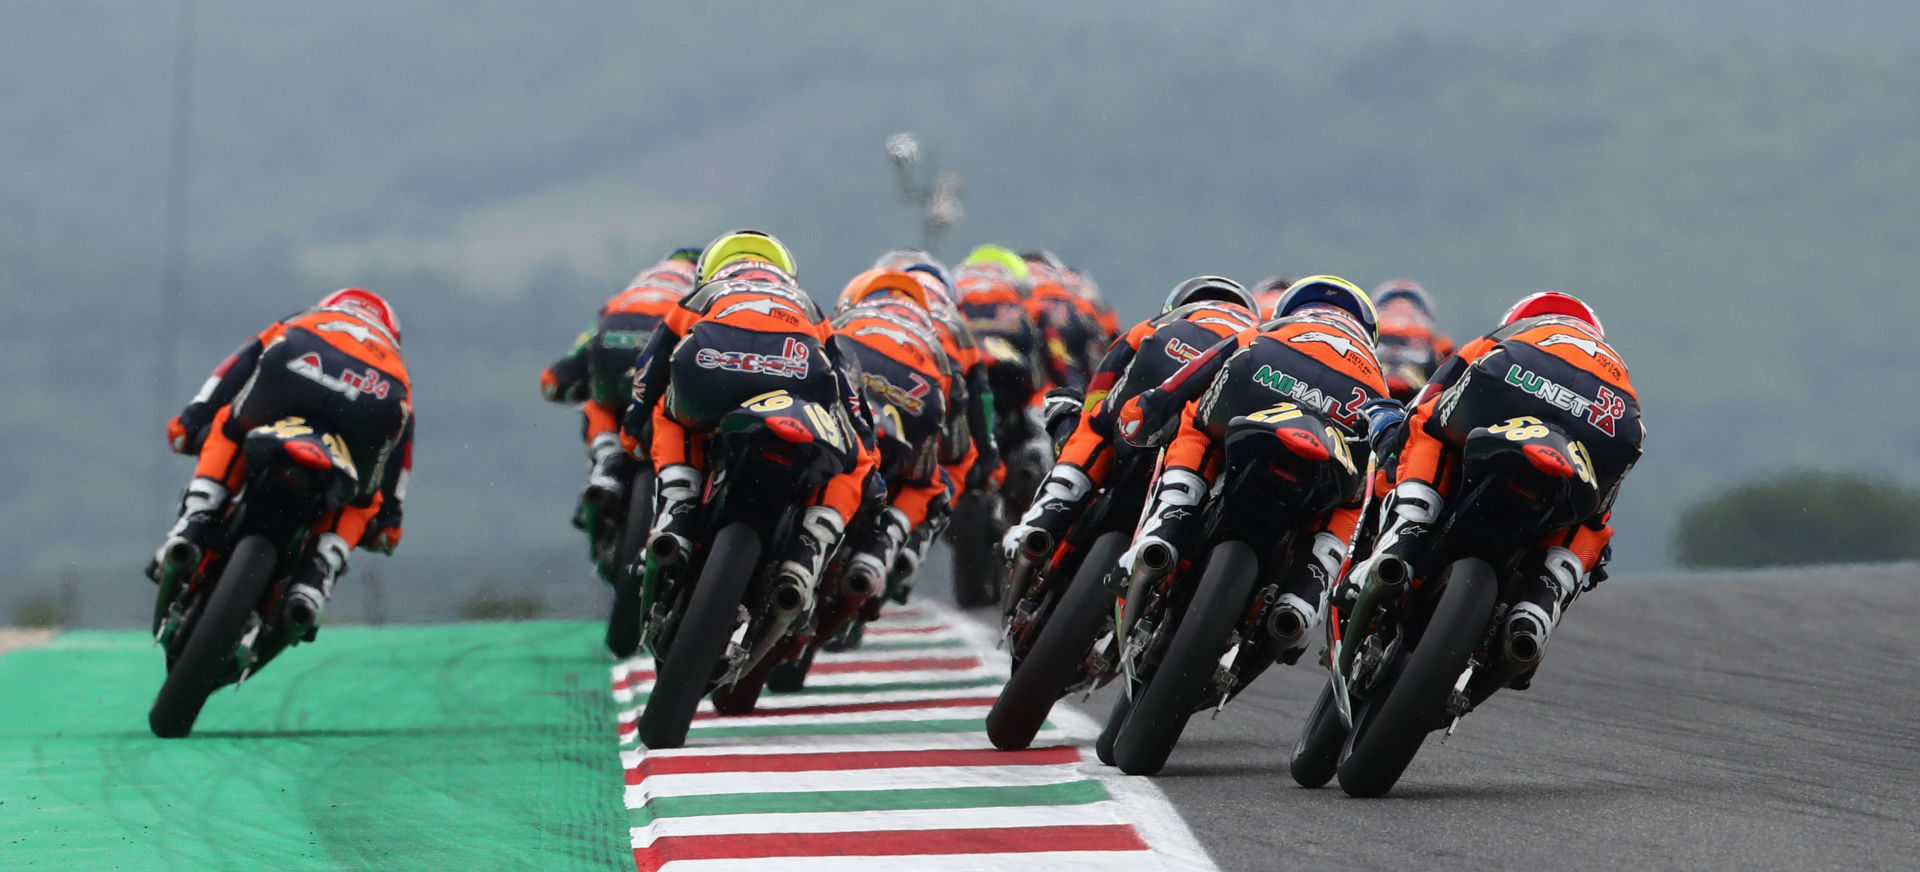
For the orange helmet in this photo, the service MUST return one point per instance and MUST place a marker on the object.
(1555, 303)
(367, 305)
(892, 282)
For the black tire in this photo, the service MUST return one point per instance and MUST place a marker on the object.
(1185, 675)
(1116, 718)
(682, 676)
(1392, 730)
(740, 697)
(206, 659)
(978, 573)
(1317, 755)
(623, 624)
(1059, 653)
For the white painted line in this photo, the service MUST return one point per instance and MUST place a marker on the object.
(904, 778)
(976, 740)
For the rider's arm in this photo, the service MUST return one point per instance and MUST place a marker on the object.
(188, 429)
(653, 369)
(383, 532)
(1154, 409)
(565, 381)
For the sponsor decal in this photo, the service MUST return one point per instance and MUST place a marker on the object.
(1308, 395)
(1181, 351)
(791, 362)
(350, 383)
(899, 336)
(910, 400)
(635, 339)
(763, 305)
(361, 333)
(1342, 344)
(1601, 412)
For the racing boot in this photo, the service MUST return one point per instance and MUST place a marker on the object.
(1537, 610)
(1293, 615)
(193, 532)
(607, 482)
(797, 575)
(1062, 496)
(1406, 518)
(913, 553)
(677, 501)
(312, 584)
(1171, 518)
(877, 545)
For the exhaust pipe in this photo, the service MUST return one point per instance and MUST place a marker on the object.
(1285, 626)
(863, 580)
(1527, 630)
(665, 549)
(1035, 548)
(1386, 579)
(1154, 562)
(179, 555)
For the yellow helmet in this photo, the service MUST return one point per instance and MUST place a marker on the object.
(998, 255)
(738, 245)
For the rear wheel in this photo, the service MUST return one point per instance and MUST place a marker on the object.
(1117, 717)
(1317, 755)
(1390, 732)
(1185, 678)
(978, 574)
(712, 613)
(205, 661)
(791, 676)
(1059, 653)
(623, 625)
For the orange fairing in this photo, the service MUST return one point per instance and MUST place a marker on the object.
(875, 281)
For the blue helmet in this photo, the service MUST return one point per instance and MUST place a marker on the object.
(1335, 292)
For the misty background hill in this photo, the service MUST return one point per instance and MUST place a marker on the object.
(1730, 183)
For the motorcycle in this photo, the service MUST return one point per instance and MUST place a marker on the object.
(715, 613)
(218, 614)
(1198, 632)
(1416, 654)
(1057, 605)
(617, 532)
(982, 517)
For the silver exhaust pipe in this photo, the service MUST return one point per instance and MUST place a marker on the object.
(179, 554)
(665, 550)
(1285, 626)
(1387, 579)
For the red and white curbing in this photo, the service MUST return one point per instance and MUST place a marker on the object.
(883, 763)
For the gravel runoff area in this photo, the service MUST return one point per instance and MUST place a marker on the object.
(16, 638)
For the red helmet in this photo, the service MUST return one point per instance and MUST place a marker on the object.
(366, 304)
(1555, 303)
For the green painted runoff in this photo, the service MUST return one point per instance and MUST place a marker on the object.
(473, 746)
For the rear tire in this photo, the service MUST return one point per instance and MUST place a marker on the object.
(791, 676)
(623, 625)
(978, 574)
(1059, 652)
(1385, 739)
(1317, 755)
(1184, 679)
(1116, 718)
(683, 674)
(205, 661)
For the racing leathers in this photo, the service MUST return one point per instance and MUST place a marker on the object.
(598, 374)
(1410, 349)
(329, 364)
(1143, 358)
(1554, 368)
(747, 332)
(1317, 358)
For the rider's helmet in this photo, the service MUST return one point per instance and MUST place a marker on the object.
(995, 255)
(940, 291)
(1402, 290)
(366, 304)
(901, 258)
(1335, 293)
(1268, 291)
(744, 245)
(1199, 288)
(1044, 257)
(887, 283)
(688, 256)
(1555, 303)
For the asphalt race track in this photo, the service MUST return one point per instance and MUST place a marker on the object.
(1742, 722)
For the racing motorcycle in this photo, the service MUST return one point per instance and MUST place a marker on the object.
(715, 613)
(1058, 606)
(617, 532)
(1198, 632)
(219, 613)
(982, 517)
(1415, 654)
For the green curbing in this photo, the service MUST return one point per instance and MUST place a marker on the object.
(474, 746)
(1065, 793)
